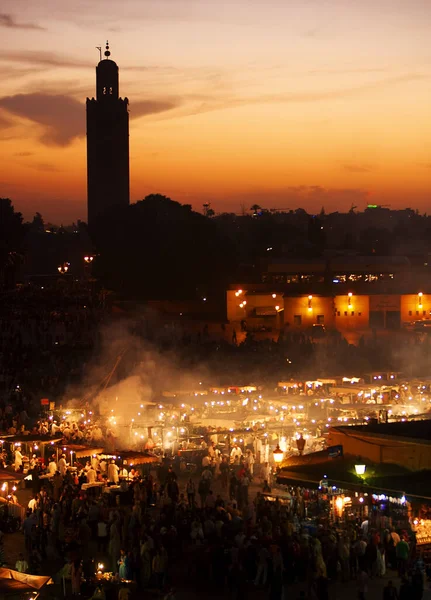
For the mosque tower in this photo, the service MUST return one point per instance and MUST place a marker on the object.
(108, 179)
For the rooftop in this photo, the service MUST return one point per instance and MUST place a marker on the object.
(413, 430)
(310, 469)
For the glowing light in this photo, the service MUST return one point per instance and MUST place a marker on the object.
(360, 469)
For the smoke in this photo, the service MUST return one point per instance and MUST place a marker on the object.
(127, 377)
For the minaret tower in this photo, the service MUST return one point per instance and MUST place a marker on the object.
(108, 180)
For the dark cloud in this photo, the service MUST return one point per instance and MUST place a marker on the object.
(144, 108)
(358, 168)
(23, 154)
(62, 118)
(5, 122)
(8, 21)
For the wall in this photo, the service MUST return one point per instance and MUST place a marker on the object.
(361, 305)
(383, 450)
(253, 301)
(308, 310)
(358, 313)
(410, 304)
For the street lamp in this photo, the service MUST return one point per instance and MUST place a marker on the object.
(63, 268)
(360, 470)
(278, 455)
(88, 259)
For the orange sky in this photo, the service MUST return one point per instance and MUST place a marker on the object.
(300, 103)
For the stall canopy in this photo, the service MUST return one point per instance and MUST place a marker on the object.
(311, 469)
(13, 582)
(81, 450)
(132, 458)
(10, 475)
(32, 439)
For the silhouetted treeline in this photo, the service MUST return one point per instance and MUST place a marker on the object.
(160, 249)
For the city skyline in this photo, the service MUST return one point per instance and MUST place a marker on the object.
(307, 104)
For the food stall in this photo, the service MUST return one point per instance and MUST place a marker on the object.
(22, 586)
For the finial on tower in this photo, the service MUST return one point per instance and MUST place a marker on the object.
(107, 52)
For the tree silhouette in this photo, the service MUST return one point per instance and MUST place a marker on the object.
(158, 249)
(12, 232)
(37, 225)
(255, 208)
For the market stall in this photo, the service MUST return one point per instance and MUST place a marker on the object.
(21, 585)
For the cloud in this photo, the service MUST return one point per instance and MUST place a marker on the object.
(8, 21)
(345, 71)
(5, 122)
(62, 118)
(358, 168)
(45, 59)
(144, 108)
(23, 154)
(202, 103)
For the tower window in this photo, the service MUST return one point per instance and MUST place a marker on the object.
(338, 313)
(104, 91)
(320, 319)
(410, 313)
(297, 320)
(353, 313)
(345, 313)
(110, 91)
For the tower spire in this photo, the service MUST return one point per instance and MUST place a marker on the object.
(107, 52)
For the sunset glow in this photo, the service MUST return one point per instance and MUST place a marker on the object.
(300, 103)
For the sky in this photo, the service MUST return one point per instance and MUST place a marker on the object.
(281, 103)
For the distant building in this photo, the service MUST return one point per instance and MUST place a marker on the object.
(108, 184)
(405, 443)
(354, 293)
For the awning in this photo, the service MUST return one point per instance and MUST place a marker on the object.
(9, 475)
(12, 582)
(81, 450)
(132, 459)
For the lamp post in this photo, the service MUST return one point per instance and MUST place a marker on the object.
(278, 455)
(360, 470)
(63, 268)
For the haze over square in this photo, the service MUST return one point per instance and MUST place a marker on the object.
(285, 104)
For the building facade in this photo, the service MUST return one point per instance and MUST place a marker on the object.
(348, 293)
(108, 181)
(406, 443)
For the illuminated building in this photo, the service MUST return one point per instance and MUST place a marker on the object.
(346, 293)
(107, 143)
(403, 443)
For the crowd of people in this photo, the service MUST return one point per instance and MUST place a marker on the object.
(207, 533)
(46, 331)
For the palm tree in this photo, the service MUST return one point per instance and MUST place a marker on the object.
(255, 208)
